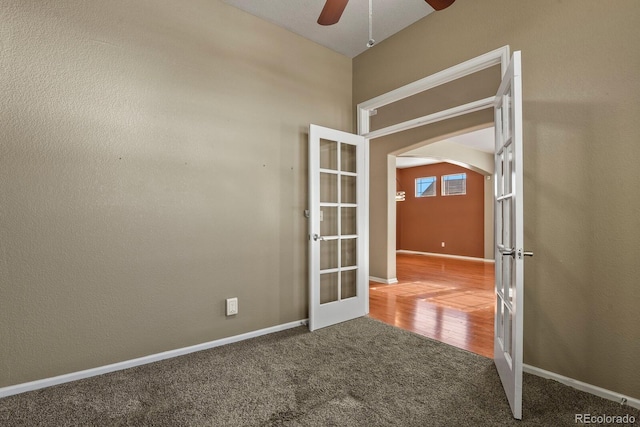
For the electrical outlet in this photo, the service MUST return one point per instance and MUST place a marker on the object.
(232, 306)
(443, 244)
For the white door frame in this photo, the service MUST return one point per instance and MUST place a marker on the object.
(365, 109)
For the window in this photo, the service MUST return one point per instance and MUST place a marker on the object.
(453, 185)
(426, 187)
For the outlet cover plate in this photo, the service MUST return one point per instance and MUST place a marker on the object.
(232, 306)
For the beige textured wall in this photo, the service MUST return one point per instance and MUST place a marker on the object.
(152, 163)
(582, 212)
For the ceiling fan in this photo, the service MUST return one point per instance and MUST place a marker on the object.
(333, 9)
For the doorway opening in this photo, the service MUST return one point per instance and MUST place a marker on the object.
(463, 93)
(506, 104)
(444, 243)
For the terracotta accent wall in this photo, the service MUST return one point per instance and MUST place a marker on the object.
(423, 223)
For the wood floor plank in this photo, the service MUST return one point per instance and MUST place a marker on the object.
(447, 299)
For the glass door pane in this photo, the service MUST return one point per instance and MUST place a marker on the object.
(328, 154)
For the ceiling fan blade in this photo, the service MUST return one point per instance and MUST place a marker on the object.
(332, 11)
(440, 4)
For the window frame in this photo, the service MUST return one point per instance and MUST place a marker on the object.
(443, 186)
(435, 185)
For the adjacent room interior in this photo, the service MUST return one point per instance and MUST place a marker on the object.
(444, 244)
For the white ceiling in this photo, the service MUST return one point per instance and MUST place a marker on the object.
(350, 35)
(410, 162)
(481, 140)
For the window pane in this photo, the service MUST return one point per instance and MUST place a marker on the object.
(347, 157)
(348, 189)
(328, 188)
(348, 253)
(348, 221)
(328, 254)
(328, 288)
(500, 321)
(501, 170)
(507, 274)
(426, 187)
(328, 154)
(328, 221)
(348, 284)
(507, 110)
(454, 184)
(509, 165)
(506, 224)
(508, 320)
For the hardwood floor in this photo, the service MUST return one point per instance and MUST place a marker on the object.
(447, 299)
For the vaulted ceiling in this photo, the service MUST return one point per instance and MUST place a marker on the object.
(350, 35)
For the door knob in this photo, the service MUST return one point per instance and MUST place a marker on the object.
(317, 237)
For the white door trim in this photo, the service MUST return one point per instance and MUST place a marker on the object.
(499, 56)
(364, 109)
(432, 118)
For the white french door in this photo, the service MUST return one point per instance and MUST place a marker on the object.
(509, 282)
(338, 273)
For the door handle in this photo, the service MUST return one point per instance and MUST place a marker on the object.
(317, 237)
(522, 253)
(512, 253)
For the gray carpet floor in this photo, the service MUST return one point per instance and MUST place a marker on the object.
(358, 373)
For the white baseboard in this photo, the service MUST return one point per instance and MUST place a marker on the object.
(592, 389)
(60, 379)
(470, 258)
(73, 376)
(385, 281)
